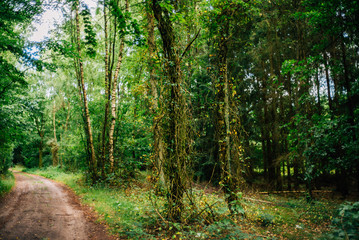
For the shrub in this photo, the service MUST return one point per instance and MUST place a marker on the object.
(7, 181)
(346, 224)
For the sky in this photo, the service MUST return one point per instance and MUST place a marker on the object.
(47, 21)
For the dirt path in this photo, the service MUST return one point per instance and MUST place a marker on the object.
(39, 208)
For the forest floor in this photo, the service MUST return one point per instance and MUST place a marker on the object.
(133, 210)
(38, 208)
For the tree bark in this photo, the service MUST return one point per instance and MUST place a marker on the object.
(226, 126)
(113, 102)
(39, 122)
(347, 85)
(41, 146)
(222, 123)
(328, 81)
(176, 137)
(113, 107)
(54, 145)
(318, 90)
(107, 95)
(88, 130)
(334, 60)
(159, 151)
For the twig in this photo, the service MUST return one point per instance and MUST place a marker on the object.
(279, 192)
(159, 214)
(189, 45)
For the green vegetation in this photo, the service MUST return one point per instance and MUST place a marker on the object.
(7, 181)
(346, 222)
(136, 212)
(136, 104)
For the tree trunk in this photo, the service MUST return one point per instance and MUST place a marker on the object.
(175, 165)
(41, 146)
(88, 130)
(113, 101)
(264, 147)
(347, 85)
(113, 106)
(276, 147)
(157, 135)
(223, 128)
(65, 127)
(54, 145)
(267, 154)
(228, 152)
(328, 82)
(40, 122)
(333, 57)
(350, 106)
(318, 90)
(107, 96)
(289, 182)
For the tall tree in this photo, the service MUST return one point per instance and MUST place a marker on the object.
(120, 19)
(82, 88)
(15, 17)
(176, 129)
(226, 121)
(158, 145)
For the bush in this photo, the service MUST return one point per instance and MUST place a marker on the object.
(5, 157)
(346, 224)
(7, 181)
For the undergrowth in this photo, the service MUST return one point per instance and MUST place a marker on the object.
(345, 224)
(137, 211)
(7, 181)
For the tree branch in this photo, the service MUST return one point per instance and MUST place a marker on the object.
(189, 45)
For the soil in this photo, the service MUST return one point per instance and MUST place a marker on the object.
(39, 208)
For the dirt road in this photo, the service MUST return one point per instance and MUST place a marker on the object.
(39, 208)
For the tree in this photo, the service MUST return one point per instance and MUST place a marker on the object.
(35, 107)
(122, 24)
(158, 142)
(228, 17)
(176, 128)
(82, 88)
(335, 22)
(14, 15)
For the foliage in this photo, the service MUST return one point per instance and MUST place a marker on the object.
(5, 157)
(236, 94)
(126, 24)
(274, 108)
(332, 148)
(134, 211)
(56, 173)
(7, 181)
(14, 15)
(346, 222)
(90, 38)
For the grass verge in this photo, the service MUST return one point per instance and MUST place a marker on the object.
(7, 181)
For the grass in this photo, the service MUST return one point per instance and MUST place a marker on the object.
(134, 211)
(292, 218)
(55, 173)
(7, 181)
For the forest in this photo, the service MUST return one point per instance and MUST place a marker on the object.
(207, 109)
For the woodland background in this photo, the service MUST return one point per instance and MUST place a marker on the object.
(237, 94)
